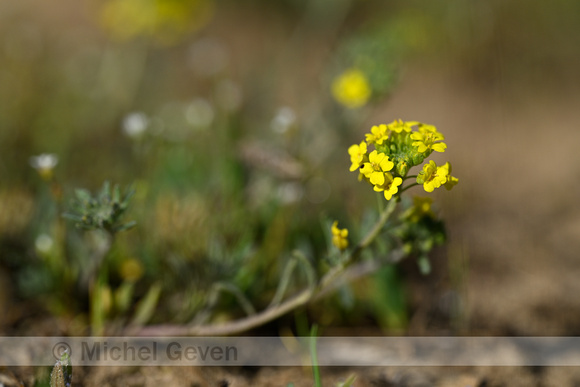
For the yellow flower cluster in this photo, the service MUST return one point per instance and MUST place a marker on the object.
(351, 89)
(399, 146)
(339, 236)
(166, 21)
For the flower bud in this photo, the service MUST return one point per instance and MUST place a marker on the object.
(417, 158)
(402, 167)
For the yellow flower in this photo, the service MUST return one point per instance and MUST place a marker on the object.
(421, 208)
(377, 135)
(357, 155)
(451, 180)
(351, 88)
(390, 185)
(398, 126)
(432, 176)
(426, 139)
(131, 270)
(339, 236)
(164, 20)
(376, 167)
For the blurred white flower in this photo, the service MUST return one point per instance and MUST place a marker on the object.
(135, 124)
(44, 161)
(43, 243)
(290, 192)
(44, 164)
(199, 113)
(228, 95)
(283, 120)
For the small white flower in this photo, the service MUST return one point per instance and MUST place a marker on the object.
(44, 162)
(135, 124)
(283, 120)
(43, 243)
(290, 192)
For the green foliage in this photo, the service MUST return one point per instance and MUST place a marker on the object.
(102, 211)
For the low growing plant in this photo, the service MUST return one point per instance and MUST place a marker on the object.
(403, 228)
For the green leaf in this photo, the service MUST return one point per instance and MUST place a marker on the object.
(74, 217)
(147, 305)
(105, 191)
(83, 195)
(314, 356)
(116, 194)
(123, 296)
(128, 195)
(389, 299)
(348, 382)
(102, 211)
(126, 226)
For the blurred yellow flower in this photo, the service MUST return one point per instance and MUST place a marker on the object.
(166, 21)
(421, 208)
(131, 270)
(351, 88)
(339, 236)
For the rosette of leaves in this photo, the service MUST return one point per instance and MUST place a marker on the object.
(104, 211)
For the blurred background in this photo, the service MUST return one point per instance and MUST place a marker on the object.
(226, 118)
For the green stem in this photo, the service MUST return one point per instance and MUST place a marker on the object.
(367, 240)
(375, 230)
(239, 295)
(380, 202)
(314, 356)
(298, 258)
(407, 187)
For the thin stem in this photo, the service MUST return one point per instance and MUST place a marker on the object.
(231, 328)
(103, 241)
(213, 298)
(380, 202)
(240, 297)
(314, 356)
(367, 240)
(407, 187)
(375, 230)
(284, 281)
(298, 258)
